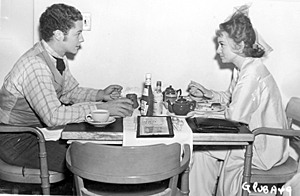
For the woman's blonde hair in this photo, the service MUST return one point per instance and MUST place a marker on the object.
(239, 28)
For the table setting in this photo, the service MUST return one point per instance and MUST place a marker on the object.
(182, 114)
(183, 119)
(100, 118)
(178, 107)
(182, 133)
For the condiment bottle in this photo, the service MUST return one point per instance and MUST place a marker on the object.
(158, 100)
(147, 98)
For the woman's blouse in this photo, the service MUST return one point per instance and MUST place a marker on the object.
(254, 98)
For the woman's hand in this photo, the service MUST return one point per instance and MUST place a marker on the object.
(197, 90)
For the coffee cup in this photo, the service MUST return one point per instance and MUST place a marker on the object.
(99, 115)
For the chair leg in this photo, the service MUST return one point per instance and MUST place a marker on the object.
(217, 181)
(15, 190)
(216, 186)
(185, 182)
(79, 181)
(247, 167)
(173, 184)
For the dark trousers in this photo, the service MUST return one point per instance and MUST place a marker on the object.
(22, 149)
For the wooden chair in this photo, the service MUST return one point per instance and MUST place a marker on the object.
(13, 173)
(127, 167)
(282, 173)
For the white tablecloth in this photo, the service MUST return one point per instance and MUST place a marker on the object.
(182, 136)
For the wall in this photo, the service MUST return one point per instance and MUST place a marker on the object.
(174, 40)
(16, 32)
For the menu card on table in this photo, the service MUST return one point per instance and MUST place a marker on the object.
(154, 126)
(182, 136)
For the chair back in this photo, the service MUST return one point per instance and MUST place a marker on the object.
(293, 113)
(127, 165)
(284, 172)
(293, 109)
(43, 176)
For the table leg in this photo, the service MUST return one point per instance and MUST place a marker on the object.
(247, 168)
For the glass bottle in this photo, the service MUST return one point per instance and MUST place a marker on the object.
(147, 98)
(158, 100)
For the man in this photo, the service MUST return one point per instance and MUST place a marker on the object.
(36, 93)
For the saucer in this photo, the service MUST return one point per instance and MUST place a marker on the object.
(100, 124)
(188, 115)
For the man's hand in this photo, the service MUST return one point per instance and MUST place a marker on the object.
(111, 92)
(120, 107)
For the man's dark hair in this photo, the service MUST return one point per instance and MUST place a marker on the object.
(58, 17)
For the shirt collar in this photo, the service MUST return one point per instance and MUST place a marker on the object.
(248, 60)
(50, 50)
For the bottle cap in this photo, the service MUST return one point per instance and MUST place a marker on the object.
(148, 75)
(158, 83)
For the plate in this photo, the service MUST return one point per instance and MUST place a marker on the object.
(100, 124)
(197, 99)
(190, 114)
(207, 108)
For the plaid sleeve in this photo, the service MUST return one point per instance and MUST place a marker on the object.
(38, 89)
(72, 93)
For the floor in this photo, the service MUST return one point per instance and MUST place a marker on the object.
(66, 187)
(61, 188)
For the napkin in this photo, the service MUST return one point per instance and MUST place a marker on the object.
(52, 134)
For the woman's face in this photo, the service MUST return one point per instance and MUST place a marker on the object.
(225, 48)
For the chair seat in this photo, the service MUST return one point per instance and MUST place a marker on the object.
(14, 173)
(166, 192)
(100, 188)
(278, 174)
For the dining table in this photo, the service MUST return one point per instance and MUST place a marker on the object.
(123, 131)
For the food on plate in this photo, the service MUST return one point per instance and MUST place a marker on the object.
(209, 107)
(197, 99)
(216, 106)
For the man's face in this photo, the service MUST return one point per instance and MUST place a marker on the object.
(74, 38)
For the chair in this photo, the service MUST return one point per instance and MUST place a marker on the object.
(127, 167)
(282, 173)
(19, 174)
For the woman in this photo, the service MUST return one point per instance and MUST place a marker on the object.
(293, 185)
(252, 98)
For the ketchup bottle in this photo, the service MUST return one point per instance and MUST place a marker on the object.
(147, 98)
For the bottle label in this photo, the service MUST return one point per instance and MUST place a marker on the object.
(146, 92)
(158, 104)
(144, 107)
